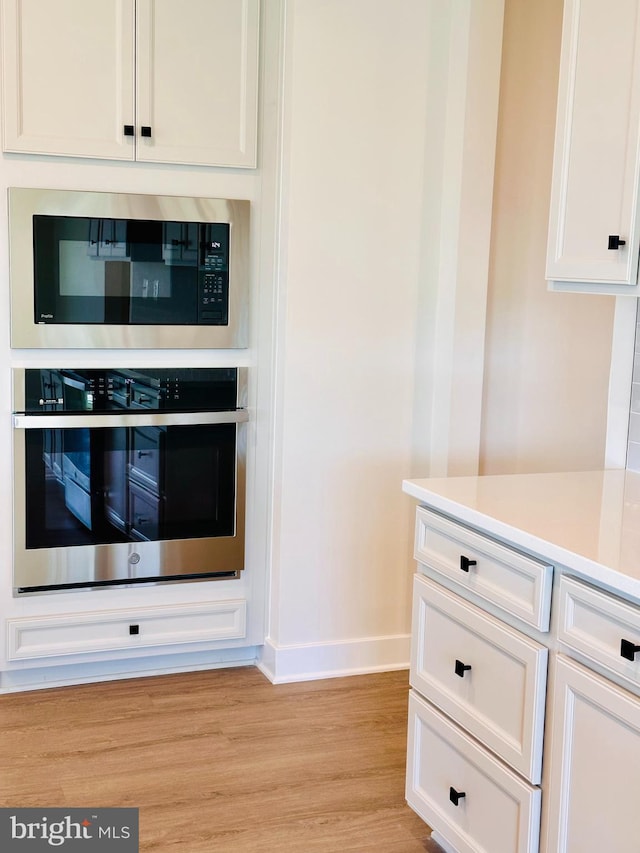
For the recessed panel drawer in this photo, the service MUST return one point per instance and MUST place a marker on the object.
(475, 802)
(601, 627)
(71, 634)
(513, 582)
(485, 675)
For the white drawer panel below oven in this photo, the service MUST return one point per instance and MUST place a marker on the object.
(72, 633)
(487, 676)
(465, 794)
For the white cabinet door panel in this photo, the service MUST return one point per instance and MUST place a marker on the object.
(594, 788)
(197, 81)
(596, 161)
(68, 77)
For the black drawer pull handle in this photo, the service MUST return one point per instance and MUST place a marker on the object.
(628, 650)
(465, 562)
(456, 796)
(615, 242)
(142, 453)
(145, 130)
(134, 629)
(129, 130)
(461, 668)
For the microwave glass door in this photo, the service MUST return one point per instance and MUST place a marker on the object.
(130, 272)
(93, 486)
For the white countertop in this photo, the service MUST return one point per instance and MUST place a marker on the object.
(587, 521)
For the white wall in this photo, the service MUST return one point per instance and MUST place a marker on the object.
(548, 354)
(363, 116)
(355, 127)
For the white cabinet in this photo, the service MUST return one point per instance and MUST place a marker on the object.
(485, 675)
(601, 629)
(491, 746)
(476, 802)
(593, 224)
(128, 629)
(488, 678)
(514, 583)
(147, 80)
(594, 788)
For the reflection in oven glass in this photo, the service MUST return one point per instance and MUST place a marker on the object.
(88, 486)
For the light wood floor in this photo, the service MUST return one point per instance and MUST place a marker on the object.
(222, 761)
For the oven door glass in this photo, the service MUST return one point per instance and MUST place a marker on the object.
(92, 486)
(130, 271)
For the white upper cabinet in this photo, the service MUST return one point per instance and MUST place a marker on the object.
(148, 80)
(593, 227)
(68, 77)
(197, 81)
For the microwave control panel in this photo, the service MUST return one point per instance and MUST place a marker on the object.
(213, 275)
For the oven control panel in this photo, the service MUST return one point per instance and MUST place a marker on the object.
(70, 391)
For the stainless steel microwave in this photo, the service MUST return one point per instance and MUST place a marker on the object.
(115, 270)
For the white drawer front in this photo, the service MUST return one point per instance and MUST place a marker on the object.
(499, 813)
(600, 627)
(513, 582)
(488, 677)
(71, 634)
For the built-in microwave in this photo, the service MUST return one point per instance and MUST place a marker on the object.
(116, 270)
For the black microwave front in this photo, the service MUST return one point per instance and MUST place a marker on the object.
(115, 270)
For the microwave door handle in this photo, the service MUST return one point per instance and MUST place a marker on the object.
(55, 421)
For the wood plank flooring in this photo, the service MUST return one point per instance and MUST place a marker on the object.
(222, 761)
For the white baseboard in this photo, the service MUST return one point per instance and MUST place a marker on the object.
(61, 675)
(308, 662)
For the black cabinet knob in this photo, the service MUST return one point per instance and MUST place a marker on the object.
(465, 562)
(145, 130)
(129, 130)
(461, 668)
(628, 650)
(615, 242)
(134, 629)
(456, 796)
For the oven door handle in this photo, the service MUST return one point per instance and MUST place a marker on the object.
(55, 421)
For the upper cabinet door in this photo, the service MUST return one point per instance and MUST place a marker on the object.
(68, 77)
(593, 229)
(197, 81)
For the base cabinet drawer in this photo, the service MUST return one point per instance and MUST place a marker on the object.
(513, 582)
(601, 627)
(488, 677)
(72, 634)
(477, 804)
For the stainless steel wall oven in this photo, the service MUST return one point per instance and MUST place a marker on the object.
(128, 476)
(116, 270)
